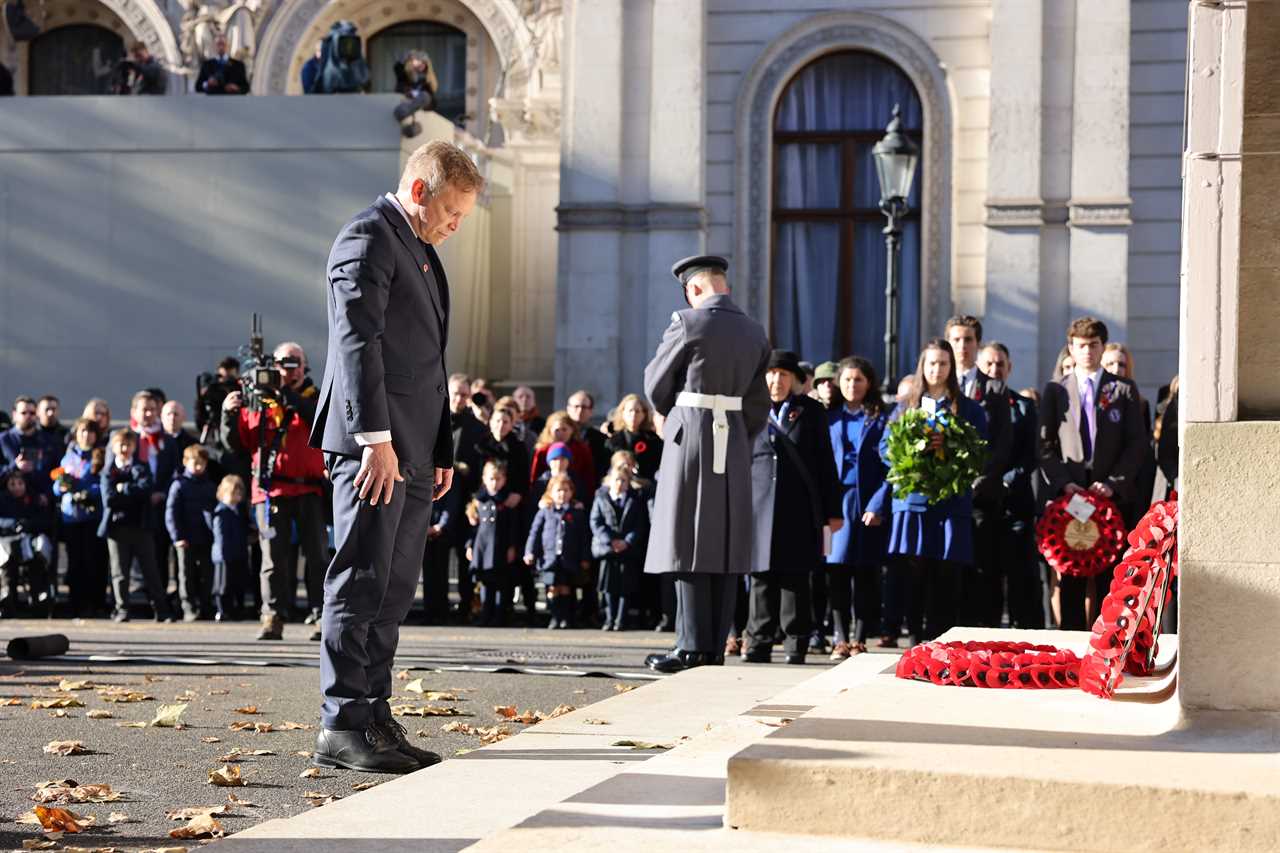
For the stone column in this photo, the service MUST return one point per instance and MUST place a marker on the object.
(1230, 468)
(1099, 205)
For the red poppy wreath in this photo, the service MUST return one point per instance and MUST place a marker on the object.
(1017, 666)
(1082, 548)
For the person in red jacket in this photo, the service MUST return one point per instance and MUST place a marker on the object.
(562, 428)
(293, 502)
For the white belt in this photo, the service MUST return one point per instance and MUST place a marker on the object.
(720, 406)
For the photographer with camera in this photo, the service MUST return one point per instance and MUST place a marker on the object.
(140, 74)
(222, 75)
(288, 479)
(416, 80)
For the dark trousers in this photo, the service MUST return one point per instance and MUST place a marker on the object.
(933, 587)
(818, 603)
(855, 616)
(195, 578)
(741, 592)
(86, 568)
(278, 581)
(124, 546)
(435, 581)
(780, 599)
(495, 596)
(223, 574)
(1022, 577)
(368, 590)
(704, 610)
(466, 583)
(895, 596)
(982, 587)
(1072, 591)
(615, 609)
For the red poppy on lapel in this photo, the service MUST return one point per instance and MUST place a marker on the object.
(641, 447)
(792, 415)
(977, 391)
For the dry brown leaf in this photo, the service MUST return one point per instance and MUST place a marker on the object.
(459, 728)
(560, 711)
(118, 817)
(99, 714)
(233, 799)
(319, 798)
(123, 694)
(423, 733)
(59, 702)
(363, 786)
(59, 713)
(38, 844)
(505, 712)
(67, 685)
(27, 818)
(195, 811)
(642, 744)
(135, 725)
(262, 728)
(290, 726)
(240, 726)
(11, 702)
(211, 739)
(304, 753)
(310, 773)
(247, 709)
(65, 747)
(493, 734)
(426, 711)
(60, 820)
(202, 826)
(625, 688)
(592, 721)
(70, 791)
(227, 776)
(169, 716)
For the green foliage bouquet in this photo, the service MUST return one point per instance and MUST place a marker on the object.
(938, 474)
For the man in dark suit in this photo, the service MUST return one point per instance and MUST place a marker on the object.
(383, 422)
(794, 493)
(982, 594)
(1091, 437)
(222, 75)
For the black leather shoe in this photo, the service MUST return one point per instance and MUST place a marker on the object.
(367, 749)
(797, 659)
(650, 660)
(399, 736)
(715, 660)
(758, 654)
(678, 661)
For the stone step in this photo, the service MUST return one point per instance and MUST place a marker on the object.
(454, 804)
(1042, 769)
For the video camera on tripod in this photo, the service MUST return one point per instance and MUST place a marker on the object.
(259, 370)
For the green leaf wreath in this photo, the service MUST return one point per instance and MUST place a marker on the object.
(938, 474)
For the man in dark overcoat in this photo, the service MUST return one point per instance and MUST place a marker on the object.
(707, 379)
(795, 493)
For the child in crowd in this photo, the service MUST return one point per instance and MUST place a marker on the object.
(492, 548)
(230, 552)
(559, 546)
(502, 444)
(25, 547)
(188, 516)
(619, 525)
(633, 430)
(562, 429)
(126, 524)
(79, 495)
(559, 459)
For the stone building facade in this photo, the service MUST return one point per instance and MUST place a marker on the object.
(626, 133)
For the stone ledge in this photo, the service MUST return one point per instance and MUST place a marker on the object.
(1051, 769)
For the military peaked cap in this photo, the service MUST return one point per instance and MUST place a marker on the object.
(687, 268)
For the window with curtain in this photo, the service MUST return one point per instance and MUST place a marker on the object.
(445, 45)
(62, 61)
(829, 262)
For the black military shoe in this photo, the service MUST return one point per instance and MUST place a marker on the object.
(365, 749)
(679, 660)
(650, 660)
(399, 736)
(758, 654)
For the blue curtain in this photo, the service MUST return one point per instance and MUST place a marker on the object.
(844, 93)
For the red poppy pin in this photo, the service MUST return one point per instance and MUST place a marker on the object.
(792, 415)
(641, 447)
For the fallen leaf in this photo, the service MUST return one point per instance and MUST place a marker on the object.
(203, 826)
(310, 773)
(592, 721)
(262, 728)
(459, 728)
(27, 817)
(195, 811)
(493, 734)
(642, 744)
(11, 701)
(319, 798)
(363, 786)
(151, 679)
(560, 711)
(227, 776)
(426, 711)
(240, 726)
(135, 725)
(66, 685)
(423, 733)
(219, 692)
(417, 686)
(70, 791)
(506, 712)
(232, 798)
(65, 747)
(304, 753)
(211, 739)
(60, 702)
(38, 844)
(402, 675)
(58, 713)
(624, 688)
(99, 714)
(290, 726)
(121, 694)
(118, 817)
(247, 709)
(60, 820)
(168, 716)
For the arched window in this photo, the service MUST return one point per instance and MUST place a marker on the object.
(62, 61)
(445, 45)
(829, 263)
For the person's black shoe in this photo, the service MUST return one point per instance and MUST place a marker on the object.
(796, 659)
(758, 654)
(678, 661)
(650, 660)
(316, 635)
(399, 736)
(368, 750)
(715, 660)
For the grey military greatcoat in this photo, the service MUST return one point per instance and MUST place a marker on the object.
(702, 521)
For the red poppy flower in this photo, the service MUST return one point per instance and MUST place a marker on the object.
(1081, 549)
(641, 447)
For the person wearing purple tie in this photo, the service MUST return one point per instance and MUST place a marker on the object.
(1091, 437)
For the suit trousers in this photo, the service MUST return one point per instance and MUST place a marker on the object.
(1072, 591)
(368, 590)
(195, 578)
(124, 545)
(435, 581)
(704, 611)
(780, 599)
(982, 589)
(1022, 575)
(278, 581)
(863, 605)
(934, 592)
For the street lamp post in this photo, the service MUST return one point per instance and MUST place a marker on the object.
(896, 158)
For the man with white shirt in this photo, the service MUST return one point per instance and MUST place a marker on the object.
(384, 424)
(1091, 437)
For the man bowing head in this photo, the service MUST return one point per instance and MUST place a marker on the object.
(383, 422)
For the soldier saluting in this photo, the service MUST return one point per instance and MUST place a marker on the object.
(707, 378)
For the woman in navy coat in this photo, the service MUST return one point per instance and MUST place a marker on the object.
(934, 541)
(858, 547)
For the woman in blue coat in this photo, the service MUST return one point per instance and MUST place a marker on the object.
(858, 547)
(933, 541)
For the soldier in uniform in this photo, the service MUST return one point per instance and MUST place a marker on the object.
(707, 380)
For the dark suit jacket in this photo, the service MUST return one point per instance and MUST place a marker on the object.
(1117, 447)
(1019, 502)
(988, 491)
(388, 307)
(232, 72)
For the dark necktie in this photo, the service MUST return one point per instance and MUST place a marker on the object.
(1086, 413)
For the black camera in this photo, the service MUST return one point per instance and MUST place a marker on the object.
(259, 378)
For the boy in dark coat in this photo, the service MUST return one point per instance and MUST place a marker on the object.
(188, 516)
(559, 546)
(619, 525)
(230, 553)
(492, 548)
(127, 486)
(25, 547)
